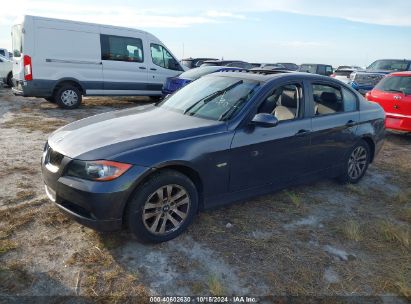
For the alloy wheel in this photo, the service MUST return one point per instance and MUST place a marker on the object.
(357, 162)
(166, 209)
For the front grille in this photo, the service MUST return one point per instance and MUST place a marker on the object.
(368, 79)
(54, 158)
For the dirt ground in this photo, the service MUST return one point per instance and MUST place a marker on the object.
(322, 239)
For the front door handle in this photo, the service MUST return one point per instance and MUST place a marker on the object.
(302, 132)
(142, 68)
(350, 123)
(153, 69)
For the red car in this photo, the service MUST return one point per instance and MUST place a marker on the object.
(393, 93)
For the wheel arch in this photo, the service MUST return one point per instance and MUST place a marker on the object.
(371, 145)
(181, 167)
(72, 81)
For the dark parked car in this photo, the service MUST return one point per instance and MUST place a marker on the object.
(229, 63)
(320, 69)
(290, 66)
(225, 137)
(172, 84)
(194, 62)
(364, 81)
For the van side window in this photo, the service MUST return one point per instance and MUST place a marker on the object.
(163, 58)
(121, 48)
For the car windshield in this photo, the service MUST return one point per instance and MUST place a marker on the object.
(389, 65)
(394, 84)
(211, 97)
(210, 63)
(196, 73)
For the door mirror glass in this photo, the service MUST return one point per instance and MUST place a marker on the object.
(265, 120)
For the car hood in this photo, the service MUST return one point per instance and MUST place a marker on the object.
(374, 72)
(106, 135)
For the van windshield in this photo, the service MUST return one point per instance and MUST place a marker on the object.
(16, 33)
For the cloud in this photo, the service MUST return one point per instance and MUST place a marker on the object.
(221, 14)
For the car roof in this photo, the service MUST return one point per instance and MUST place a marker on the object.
(212, 61)
(405, 73)
(265, 76)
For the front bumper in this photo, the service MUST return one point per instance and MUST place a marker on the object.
(398, 122)
(98, 205)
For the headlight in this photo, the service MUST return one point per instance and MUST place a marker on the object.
(97, 170)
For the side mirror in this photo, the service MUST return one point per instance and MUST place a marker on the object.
(265, 120)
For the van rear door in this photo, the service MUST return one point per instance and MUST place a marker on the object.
(17, 41)
(123, 58)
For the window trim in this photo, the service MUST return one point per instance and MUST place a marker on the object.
(334, 85)
(108, 45)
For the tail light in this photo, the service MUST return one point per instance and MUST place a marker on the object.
(332, 75)
(28, 72)
(367, 96)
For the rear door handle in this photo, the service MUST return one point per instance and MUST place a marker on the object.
(350, 123)
(142, 68)
(302, 132)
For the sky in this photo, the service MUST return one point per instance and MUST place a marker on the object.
(349, 32)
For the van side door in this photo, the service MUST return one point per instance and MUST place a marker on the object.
(161, 64)
(124, 63)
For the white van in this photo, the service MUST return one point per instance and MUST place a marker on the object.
(62, 60)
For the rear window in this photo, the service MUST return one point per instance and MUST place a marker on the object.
(16, 37)
(343, 72)
(389, 65)
(394, 84)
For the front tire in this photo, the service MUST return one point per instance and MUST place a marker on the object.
(356, 163)
(163, 207)
(68, 97)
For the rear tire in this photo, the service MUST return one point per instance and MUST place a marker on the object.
(10, 80)
(68, 97)
(163, 207)
(356, 163)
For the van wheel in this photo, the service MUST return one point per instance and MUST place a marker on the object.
(163, 207)
(68, 97)
(10, 80)
(356, 163)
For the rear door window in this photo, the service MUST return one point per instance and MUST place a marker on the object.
(330, 99)
(394, 84)
(120, 48)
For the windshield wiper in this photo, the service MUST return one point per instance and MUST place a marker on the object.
(238, 103)
(211, 96)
